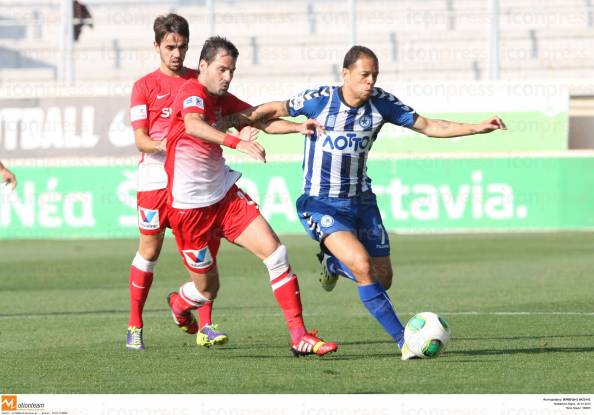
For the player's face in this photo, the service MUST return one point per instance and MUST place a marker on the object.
(360, 77)
(216, 76)
(172, 50)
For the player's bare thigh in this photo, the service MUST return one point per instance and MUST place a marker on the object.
(149, 246)
(258, 238)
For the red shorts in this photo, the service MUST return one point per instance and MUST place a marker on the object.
(198, 232)
(152, 211)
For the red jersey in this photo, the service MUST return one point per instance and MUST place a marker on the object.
(198, 175)
(150, 108)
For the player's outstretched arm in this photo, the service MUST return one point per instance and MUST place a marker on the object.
(446, 129)
(145, 144)
(266, 118)
(201, 130)
(8, 177)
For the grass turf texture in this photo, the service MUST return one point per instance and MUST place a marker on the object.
(64, 306)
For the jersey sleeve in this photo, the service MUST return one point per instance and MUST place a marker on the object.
(308, 103)
(393, 110)
(234, 104)
(139, 106)
(191, 100)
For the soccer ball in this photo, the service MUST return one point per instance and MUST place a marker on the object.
(427, 334)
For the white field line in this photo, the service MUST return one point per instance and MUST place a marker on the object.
(102, 314)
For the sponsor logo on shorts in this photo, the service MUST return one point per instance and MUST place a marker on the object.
(148, 219)
(327, 221)
(198, 258)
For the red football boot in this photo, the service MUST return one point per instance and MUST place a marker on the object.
(310, 343)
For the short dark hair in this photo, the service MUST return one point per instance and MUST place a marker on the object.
(355, 53)
(172, 23)
(213, 44)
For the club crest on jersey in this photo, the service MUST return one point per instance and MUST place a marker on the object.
(194, 101)
(148, 219)
(326, 221)
(365, 121)
(199, 259)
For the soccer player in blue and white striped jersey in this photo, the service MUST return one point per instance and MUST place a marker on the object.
(338, 207)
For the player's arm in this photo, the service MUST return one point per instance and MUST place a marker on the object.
(145, 144)
(266, 117)
(8, 177)
(198, 128)
(445, 129)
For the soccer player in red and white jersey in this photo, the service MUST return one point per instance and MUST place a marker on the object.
(150, 113)
(206, 205)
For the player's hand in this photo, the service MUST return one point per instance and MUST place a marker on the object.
(161, 146)
(252, 149)
(249, 133)
(8, 177)
(310, 127)
(492, 124)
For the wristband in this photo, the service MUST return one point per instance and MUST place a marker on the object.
(231, 141)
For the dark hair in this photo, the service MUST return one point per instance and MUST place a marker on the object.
(355, 53)
(172, 23)
(213, 44)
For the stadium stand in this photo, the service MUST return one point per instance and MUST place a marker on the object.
(432, 40)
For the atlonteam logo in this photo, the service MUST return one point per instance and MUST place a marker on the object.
(9, 402)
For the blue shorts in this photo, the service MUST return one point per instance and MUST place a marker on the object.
(321, 216)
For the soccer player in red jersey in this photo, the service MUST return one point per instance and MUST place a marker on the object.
(206, 205)
(150, 113)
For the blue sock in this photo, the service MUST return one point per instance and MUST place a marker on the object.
(337, 267)
(377, 302)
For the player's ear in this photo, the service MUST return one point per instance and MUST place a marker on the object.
(202, 65)
(156, 45)
(345, 72)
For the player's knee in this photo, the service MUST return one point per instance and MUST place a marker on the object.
(361, 265)
(149, 252)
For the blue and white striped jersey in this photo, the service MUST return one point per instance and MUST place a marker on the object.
(334, 165)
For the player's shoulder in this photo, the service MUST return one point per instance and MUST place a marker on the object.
(147, 79)
(317, 93)
(378, 94)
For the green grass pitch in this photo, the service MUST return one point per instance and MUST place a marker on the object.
(521, 308)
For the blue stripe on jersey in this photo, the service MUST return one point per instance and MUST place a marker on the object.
(325, 174)
(345, 175)
(332, 112)
(360, 173)
(309, 158)
(350, 120)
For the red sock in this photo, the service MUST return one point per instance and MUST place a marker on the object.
(204, 314)
(139, 284)
(180, 305)
(286, 291)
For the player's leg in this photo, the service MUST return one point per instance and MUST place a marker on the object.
(198, 244)
(383, 270)
(252, 232)
(349, 250)
(152, 224)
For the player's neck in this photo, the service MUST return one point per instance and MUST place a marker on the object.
(349, 99)
(165, 70)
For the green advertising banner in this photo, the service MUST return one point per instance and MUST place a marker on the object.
(415, 195)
